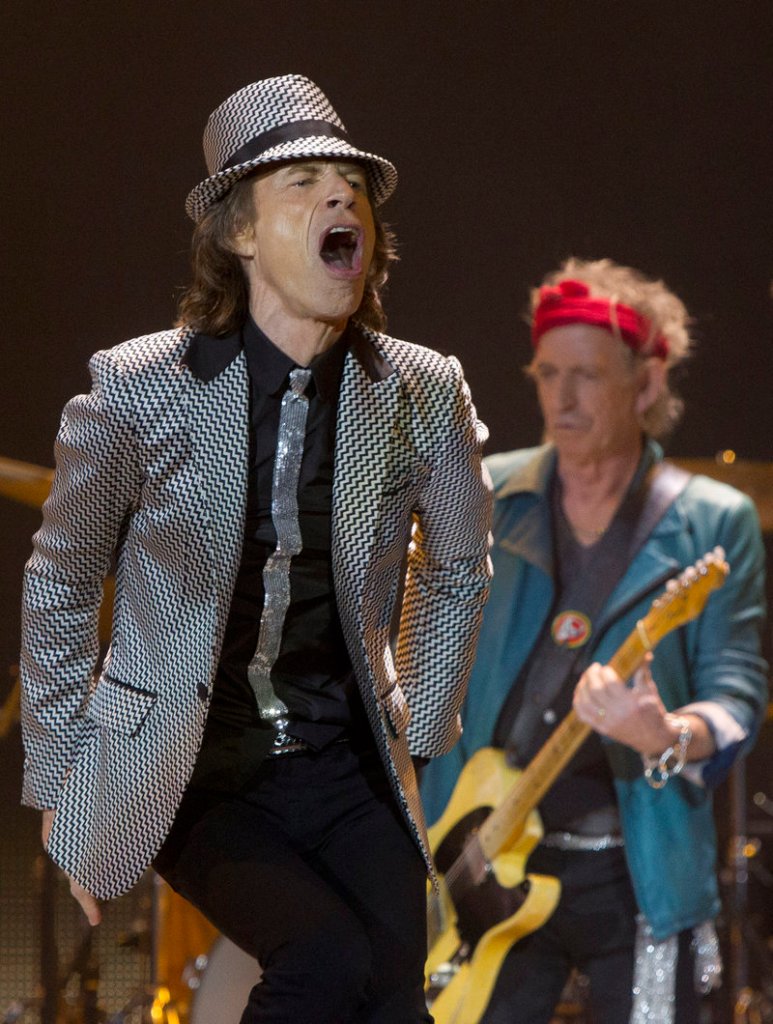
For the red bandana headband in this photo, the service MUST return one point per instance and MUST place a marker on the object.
(569, 302)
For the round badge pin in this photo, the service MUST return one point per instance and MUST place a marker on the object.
(570, 629)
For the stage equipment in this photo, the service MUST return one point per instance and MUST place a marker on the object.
(227, 974)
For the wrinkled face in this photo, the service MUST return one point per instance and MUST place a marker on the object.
(590, 394)
(310, 243)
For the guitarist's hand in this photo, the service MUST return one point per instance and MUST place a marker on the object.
(634, 715)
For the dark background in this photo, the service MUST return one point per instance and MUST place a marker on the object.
(523, 133)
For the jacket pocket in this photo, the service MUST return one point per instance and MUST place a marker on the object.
(120, 706)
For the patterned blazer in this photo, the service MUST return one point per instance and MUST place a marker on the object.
(151, 480)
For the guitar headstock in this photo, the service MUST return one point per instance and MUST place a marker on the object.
(686, 595)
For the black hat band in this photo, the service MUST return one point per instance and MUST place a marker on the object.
(276, 136)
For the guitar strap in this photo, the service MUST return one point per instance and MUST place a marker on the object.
(528, 716)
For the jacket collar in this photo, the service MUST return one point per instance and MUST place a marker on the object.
(530, 537)
(533, 477)
(368, 354)
(207, 356)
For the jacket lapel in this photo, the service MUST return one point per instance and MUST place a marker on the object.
(650, 568)
(530, 536)
(371, 452)
(215, 376)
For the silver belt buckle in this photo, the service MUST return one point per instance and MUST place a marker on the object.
(285, 744)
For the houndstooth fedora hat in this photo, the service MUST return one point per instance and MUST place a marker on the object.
(277, 119)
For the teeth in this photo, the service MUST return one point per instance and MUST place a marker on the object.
(335, 231)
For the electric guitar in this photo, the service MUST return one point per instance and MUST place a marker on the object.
(481, 843)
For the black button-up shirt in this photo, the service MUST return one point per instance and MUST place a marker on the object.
(313, 673)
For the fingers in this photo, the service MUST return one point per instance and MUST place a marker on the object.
(603, 701)
(45, 828)
(595, 694)
(594, 715)
(629, 714)
(598, 683)
(87, 902)
(642, 679)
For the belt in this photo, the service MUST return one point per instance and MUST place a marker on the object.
(588, 844)
(284, 744)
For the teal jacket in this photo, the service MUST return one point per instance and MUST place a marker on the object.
(669, 833)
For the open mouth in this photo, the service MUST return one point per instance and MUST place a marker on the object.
(341, 249)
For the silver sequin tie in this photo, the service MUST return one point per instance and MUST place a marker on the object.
(276, 572)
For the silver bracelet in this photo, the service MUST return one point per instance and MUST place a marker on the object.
(658, 770)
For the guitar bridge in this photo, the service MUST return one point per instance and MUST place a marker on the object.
(445, 973)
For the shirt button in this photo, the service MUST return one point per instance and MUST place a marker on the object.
(549, 716)
(203, 691)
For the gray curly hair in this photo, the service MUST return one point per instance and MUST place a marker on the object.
(652, 299)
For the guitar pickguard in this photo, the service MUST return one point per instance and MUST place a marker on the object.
(483, 909)
(479, 906)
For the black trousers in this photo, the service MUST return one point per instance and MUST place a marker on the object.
(593, 929)
(311, 869)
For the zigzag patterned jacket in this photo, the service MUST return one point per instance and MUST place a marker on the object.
(151, 477)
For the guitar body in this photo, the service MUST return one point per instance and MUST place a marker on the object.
(473, 925)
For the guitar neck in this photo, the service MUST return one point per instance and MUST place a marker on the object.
(506, 822)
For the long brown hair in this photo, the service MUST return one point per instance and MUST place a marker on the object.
(216, 301)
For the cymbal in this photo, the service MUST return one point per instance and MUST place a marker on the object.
(25, 482)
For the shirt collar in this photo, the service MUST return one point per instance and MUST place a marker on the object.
(270, 367)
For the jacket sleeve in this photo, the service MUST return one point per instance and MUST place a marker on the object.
(728, 676)
(448, 573)
(96, 481)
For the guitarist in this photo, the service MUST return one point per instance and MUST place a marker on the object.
(587, 529)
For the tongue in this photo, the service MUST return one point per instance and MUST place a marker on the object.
(338, 249)
(338, 255)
